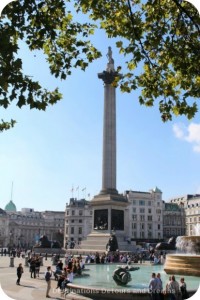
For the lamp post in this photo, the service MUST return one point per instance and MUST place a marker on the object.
(10, 242)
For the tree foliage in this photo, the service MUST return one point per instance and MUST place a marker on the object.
(161, 36)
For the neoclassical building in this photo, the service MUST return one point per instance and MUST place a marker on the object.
(4, 229)
(25, 227)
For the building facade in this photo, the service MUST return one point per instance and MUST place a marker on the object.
(4, 229)
(191, 204)
(146, 215)
(192, 214)
(78, 222)
(26, 226)
(174, 221)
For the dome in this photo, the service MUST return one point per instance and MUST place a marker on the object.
(10, 206)
(156, 190)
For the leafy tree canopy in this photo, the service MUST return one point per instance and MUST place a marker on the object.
(162, 36)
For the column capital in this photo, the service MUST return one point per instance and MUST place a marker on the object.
(108, 77)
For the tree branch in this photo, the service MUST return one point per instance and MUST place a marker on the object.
(187, 14)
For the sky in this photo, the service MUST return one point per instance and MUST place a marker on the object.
(48, 153)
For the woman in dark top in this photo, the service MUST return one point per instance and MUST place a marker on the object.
(19, 273)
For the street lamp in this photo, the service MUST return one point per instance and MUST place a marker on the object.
(10, 243)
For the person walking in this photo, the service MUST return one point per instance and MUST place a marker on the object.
(48, 275)
(20, 270)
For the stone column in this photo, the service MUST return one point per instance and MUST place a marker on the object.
(109, 135)
(109, 128)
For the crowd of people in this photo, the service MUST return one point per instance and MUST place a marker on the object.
(174, 290)
(65, 270)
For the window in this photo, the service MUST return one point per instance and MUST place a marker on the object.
(80, 230)
(149, 203)
(142, 226)
(91, 213)
(72, 230)
(134, 217)
(72, 221)
(134, 209)
(141, 202)
(67, 212)
(142, 218)
(149, 218)
(149, 210)
(73, 213)
(142, 234)
(142, 210)
(80, 212)
(159, 226)
(134, 225)
(158, 211)
(134, 202)
(80, 220)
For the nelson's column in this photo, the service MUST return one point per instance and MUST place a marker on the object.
(110, 214)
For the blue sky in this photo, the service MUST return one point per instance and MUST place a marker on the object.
(48, 153)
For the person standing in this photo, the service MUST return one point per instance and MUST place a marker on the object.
(174, 290)
(153, 286)
(183, 288)
(48, 275)
(159, 288)
(19, 273)
(32, 267)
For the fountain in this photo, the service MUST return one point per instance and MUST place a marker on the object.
(187, 262)
(101, 286)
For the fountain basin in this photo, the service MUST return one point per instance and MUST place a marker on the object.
(101, 286)
(183, 264)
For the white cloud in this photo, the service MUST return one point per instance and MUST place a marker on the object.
(191, 134)
(179, 130)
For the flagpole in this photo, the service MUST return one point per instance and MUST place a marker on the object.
(11, 191)
(72, 191)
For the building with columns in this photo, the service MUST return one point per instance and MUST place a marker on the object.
(25, 227)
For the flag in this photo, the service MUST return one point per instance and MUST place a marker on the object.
(77, 188)
(72, 189)
(84, 189)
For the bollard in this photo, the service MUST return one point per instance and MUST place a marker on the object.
(54, 260)
(41, 261)
(26, 261)
(11, 261)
